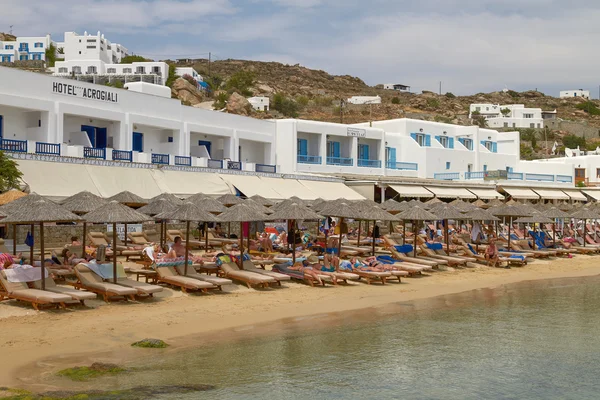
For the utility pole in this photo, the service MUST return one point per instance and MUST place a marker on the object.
(209, 56)
(10, 31)
(341, 111)
(440, 88)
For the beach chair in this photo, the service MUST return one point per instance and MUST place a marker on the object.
(194, 244)
(213, 238)
(373, 276)
(578, 248)
(410, 268)
(232, 271)
(512, 259)
(100, 239)
(88, 280)
(152, 235)
(20, 291)
(79, 295)
(248, 265)
(402, 253)
(138, 238)
(430, 254)
(169, 275)
(437, 250)
(299, 275)
(214, 280)
(540, 239)
(518, 246)
(143, 289)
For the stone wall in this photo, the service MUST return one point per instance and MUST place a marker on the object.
(581, 129)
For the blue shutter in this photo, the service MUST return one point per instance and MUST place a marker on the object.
(414, 136)
(484, 167)
(138, 142)
(391, 154)
(427, 140)
(451, 143)
(462, 141)
(336, 149)
(483, 143)
(302, 147)
(363, 152)
(494, 147)
(438, 139)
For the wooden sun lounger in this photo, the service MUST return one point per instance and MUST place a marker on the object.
(194, 244)
(430, 254)
(79, 295)
(138, 238)
(100, 239)
(391, 243)
(20, 291)
(508, 260)
(249, 266)
(170, 276)
(536, 253)
(88, 280)
(232, 271)
(372, 276)
(299, 275)
(214, 280)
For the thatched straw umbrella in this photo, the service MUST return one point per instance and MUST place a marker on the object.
(419, 203)
(364, 206)
(414, 214)
(229, 200)
(242, 213)
(207, 204)
(155, 207)
(10, 196)
(445, 213)
(394, 206)
(23, 202)
(462, 205)
(258, 207)
(82, 203)
(555, 214)
(262, 201)
(115, 213)
(196, 197)
(508, 211)
(375, 214)
(433, 201)
(187, 212)
(316, 203)
(482, 215)
(495, 202)
(41, 211)
(340, 209)
(535, 218)
(298, 200)
(480, 204)
(169, 197)
(128, 198)
(585, 214)
(294, 212)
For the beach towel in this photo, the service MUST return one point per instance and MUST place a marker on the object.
(405, 248)
(476, 231)
(149, 251)
(471, 248)
(516, 257)
(172, 262)
(386, 260)
(223, 259)
(434, 246)
(346, 265)
(105, 271)
(24, 273)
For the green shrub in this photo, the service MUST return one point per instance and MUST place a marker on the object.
(433, 103)
(527, 134)
(396, 100)
(450, 95)
(150, 344)
(241, 82)
(589, 107)
(302, 100)
(287, 107)
(505, 111)
(572, 141)
(526, 152)
(50, 55)
(214, 82)
(190, 79)
(323, 101)
(172, 76)
(513, 94)
(10, 175)
(220, 101)
(132, 59)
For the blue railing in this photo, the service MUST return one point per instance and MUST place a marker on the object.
(266, 168)
(92, 152)
(183, 160)
(348, 162)
(162, 159)
(122, 155)
(47, 148)
(218, 164)
(16, 146)
(234, 165)
(518, 176)
(564, 178)
(447, 176)
(309, 159)
(369, 163)
(475, 175)
(539, 177)
(402, 165)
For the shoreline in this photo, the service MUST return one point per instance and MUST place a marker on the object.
(42, 343)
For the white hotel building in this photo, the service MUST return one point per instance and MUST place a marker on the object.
(25, 49)
(516, 116)
(61, 121)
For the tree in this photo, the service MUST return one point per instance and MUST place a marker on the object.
(589, 107)
(132, 59)
(50, 55)
(572, 141)
(241, 82)
(479, 119)
(220, 101)
(214, 82)
(450, 95)
(527, 134)
(287, 107)
(505, 111)
(172, 76)
(10, 175)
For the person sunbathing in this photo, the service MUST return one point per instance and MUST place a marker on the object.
(266, 243)
(371, 265)
(178, 249)
(491, 254)
(9, 257)
(307, 270)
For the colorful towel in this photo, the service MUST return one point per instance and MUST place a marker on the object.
(24, 273)
(405, 248)
(172, 262)
(434, 246)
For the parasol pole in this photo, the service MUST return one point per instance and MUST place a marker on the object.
(187, 247)
(43, 261)
(294, 242)
(447, 238)
(415, 239)
(533, 236)
(341, 221)
(509, 224)
(83, 239)
(554, 233)
(374, 222)
(114, 251)
(161, 235)
(15, 242)
(584, 231)
(205, 237)
(32, 245)
(125, 235)
(241, 245)
(358, 240)
(404, 232)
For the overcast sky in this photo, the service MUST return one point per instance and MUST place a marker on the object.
(470, 45)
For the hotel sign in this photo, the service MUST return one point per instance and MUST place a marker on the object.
(357, 132)
(81, 92)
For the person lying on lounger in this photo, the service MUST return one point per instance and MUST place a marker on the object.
(315, 269)
(368, 264)
(178, 250)
(9, 257)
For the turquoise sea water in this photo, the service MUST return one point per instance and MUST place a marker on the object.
(534, 340)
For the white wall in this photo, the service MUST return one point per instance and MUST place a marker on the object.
(575, 93)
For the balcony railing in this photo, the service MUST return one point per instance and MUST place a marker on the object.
(217, 164)
(183, 160)
(402, 166)
(447, 176)
(517, 176)
(309, 159)
(475, 175)
(15, 146)
(539, 177)
(347, 162)
(266, 168)
(234, 165)
(92, 152)
(564, 178)
(369, 163)
(162, 159)
(122, 155)
(47, 148)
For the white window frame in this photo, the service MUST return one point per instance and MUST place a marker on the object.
(111, 70)
(127, 70)
(444, 141)
(421, 139)
(468, 143)
(489, 145)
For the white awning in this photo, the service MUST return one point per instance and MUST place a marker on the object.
(594, 194)
(451, 192)
(551, 194)
(288, 188)
(251, 186)
(576, 195)
(411, 191)
(331, 190)
(521, 193)
(366, 190)
(485, 193)
(185, 184)
(113, 180)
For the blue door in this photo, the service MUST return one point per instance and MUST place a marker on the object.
(363, 152)
(302, 147)
(91, 132)
(138, 142)
(100, 138)
(336, 149)
(205, 144)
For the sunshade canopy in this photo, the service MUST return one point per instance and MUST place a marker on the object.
(411, 191)
(41, 210)
(242, 213)
(521, 193)
(83, 202)
(417, 214)
(126, 197)
(187, 212)
(551, 194)
(156, 207)
(575, 195)
(296, 212)
(448, 192)
(485, 193)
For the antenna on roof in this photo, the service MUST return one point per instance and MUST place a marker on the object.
(10, 31)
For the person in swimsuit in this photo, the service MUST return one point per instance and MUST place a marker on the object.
(491, 254)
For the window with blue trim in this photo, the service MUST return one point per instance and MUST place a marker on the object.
(333, 149)
(170, 139)
(22, 57)
(422, 139)
(38, 44)
(447, 164)
(491, 146)
(9, 47)
(302, 147)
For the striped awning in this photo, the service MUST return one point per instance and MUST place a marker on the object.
(411, 191)
(521, 193)
(551, 194)
(485, 193)
(575, 195)
(446, 192)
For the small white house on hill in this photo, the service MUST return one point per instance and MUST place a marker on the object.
(575, 93)
(259, 103)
